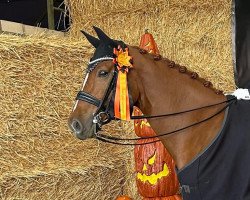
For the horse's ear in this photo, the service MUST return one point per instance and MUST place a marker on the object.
(101, 35)
(94, 41)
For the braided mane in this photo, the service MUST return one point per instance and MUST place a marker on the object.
(182, 70)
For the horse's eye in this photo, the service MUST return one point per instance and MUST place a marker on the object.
(102, 73)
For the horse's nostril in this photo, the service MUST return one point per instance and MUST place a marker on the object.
(77, 126)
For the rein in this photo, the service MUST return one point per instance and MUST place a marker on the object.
(108, 139)
(178, 113)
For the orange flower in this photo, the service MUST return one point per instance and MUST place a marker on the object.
(123, 59)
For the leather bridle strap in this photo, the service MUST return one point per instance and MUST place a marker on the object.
(181, 112)
(104, 105)
(84, 96)
(115, 140)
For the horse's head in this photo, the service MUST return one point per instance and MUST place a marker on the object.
(94, 102)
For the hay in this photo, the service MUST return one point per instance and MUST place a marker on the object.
(39, 158)
(40, 76)
(60, 169)
(195, 33)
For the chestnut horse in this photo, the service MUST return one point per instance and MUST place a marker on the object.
(194, 129)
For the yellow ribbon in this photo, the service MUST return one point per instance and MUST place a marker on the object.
(123, 96)
(122, 107)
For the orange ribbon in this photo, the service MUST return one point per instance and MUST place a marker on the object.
(121, 103)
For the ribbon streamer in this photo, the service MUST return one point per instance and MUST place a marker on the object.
(121, 104)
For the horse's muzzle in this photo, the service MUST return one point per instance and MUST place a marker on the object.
(80, 131)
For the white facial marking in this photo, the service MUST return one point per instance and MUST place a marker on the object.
(83, 85)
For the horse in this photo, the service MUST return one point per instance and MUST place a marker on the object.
(205, 131)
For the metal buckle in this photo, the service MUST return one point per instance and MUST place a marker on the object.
(101, 118)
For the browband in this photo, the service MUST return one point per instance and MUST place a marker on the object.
(100, 59)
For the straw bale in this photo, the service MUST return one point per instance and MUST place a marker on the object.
(195, 33)
(39, 157)
(60, 169)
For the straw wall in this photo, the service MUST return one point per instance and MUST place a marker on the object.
(39, 158)
(195, 33)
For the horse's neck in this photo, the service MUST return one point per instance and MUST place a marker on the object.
(166, 90)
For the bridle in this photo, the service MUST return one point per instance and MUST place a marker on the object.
(105, 113)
